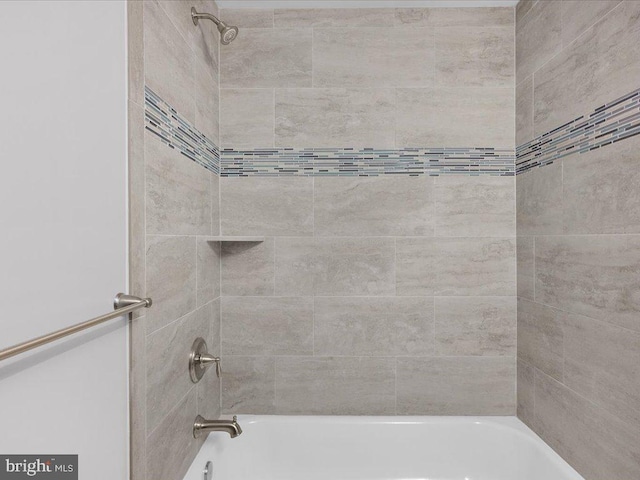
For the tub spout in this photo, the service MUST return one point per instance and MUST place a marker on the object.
(202, 426)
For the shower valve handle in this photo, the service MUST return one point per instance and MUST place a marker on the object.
(205, 360)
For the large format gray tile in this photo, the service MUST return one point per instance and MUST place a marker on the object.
(248, 268)
(373, 326)
(136, 199)
(474, 56)
(335, 386)
(538, 38)
(215, 203)
(526, 267)
(601, 190)
(594, 276)
(342, 57)
(539, 201)
(135, 52)
(267, 326)
(602, 66)
(578, 16)
(541, 337)
(454, 17)
(171, 447)
(522, 8)
(524, 111)
(208, 274)
(207, 99)
(246, 117)
(248, 17)
(475, 326)
(594, 442)
(330, 17)
(167, 371)
(334, 117)
(335, 266)
(526, 393)
(267, 206)
(455, 117)
(475, 206)
(209, 387)
(171, 279)
(474, 266)
(267, 58)
(248, 385)
(385, 205)
(602, 364)
(169, 62)
(456, 386)
(178, 192)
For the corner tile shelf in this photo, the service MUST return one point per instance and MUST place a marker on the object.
(235, 239)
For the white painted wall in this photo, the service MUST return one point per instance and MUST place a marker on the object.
(63, 229)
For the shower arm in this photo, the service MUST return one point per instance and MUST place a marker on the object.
(195, 16)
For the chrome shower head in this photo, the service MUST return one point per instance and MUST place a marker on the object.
(227, 33)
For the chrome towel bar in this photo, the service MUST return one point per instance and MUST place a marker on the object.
(122, 305)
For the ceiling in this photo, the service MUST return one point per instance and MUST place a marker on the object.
(362, 3)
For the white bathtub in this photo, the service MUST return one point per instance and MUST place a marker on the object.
(377, 448)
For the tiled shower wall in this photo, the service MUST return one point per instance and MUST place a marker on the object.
(384, 294)
(578, 224)
(174, 208)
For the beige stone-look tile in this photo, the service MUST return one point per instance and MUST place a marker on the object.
(248, 17)
(248, 385)
(171, 447)
(335, 386)
(261, 57)
(474, 266)
(456, 386)
(267, 326)
(137, 226)
(524, 111)
(171, 279)
(374, 326)
(331, 17)
(601, 67)
(209, 387)
(135, 52)
(267, 206)
(578, 16)
(475, 56)
(248, 268)
(167, 368)
(247, 117)
(601, 190)
(597, 444)
(522, 8)
(178, 192)
(467, 206)
(455, 117)
(539, 201)
(385, 205)
(475, 326)
(404, 57)
(541, 337)
(169, 62)
(208, 270)
(340, 266)
(454, 17)
(202, 39)
(538, 37)
(526, 393)
(602, 363)
(335, 117)
(207, 98)
(594, 276)
(526, 267)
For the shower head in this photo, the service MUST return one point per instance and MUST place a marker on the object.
(227, 33)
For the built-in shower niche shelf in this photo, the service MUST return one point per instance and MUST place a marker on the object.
(235, 239)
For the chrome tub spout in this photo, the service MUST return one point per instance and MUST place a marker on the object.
(202, 426)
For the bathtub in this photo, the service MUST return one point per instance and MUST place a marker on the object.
(377, 448)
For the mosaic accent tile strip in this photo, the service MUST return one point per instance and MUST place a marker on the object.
(608, 124)
(176, 132)
(326, 162)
